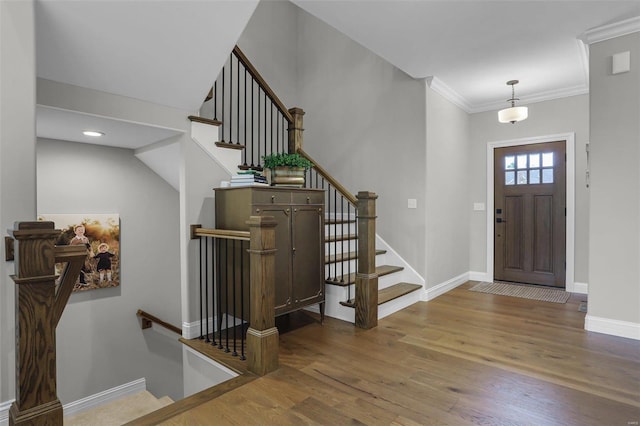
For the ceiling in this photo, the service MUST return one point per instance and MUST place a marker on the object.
(152, 50)
(473, 48)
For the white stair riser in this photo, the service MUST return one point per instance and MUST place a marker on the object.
(340, 228)
(340, 247)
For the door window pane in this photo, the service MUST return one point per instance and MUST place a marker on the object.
(547, 175)
(547, 159)
(534, 176)
(509, 178)
(522, 161)
(522, 177)
(534, 160)
(509, 162)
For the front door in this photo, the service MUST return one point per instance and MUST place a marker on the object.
(530, 213)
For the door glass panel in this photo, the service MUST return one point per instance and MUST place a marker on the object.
(509, 162)
(547, 159)
(534, 161)
(522, 161)
(509, 178)
(547, 175)
(534, 176)
(522, 177)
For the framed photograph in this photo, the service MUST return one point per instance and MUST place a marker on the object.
(100, 234)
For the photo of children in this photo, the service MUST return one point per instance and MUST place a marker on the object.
(100, 234)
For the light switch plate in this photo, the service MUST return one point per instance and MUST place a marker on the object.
(412, 203)
(479, 207)
(621, 62)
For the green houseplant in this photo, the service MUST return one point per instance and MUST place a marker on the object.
(286, 169)
(282, 159)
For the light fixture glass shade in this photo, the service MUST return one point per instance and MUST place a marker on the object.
(513, 114)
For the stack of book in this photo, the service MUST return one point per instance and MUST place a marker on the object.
(248, 178)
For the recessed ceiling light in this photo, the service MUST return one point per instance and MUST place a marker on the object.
(92, 133)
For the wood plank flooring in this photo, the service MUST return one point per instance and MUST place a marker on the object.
(464, 358)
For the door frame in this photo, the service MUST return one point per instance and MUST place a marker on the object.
(570, 183)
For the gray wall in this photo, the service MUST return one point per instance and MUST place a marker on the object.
(447, 190)
(364, 123)
(99, 341)
(614, 258)
(17, 158)
(545, 118)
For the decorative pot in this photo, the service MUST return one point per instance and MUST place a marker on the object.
(288, 176)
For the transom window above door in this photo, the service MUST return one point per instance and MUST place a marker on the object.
(528, 169)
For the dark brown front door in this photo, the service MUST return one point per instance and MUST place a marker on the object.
(530, 213)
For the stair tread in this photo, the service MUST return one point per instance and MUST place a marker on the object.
(205, 120)
(332, 238)
(395, 291)
(389, 293)
(346, 256)
(229, 145)
(119, 411)
(349, 279)
(334, 221)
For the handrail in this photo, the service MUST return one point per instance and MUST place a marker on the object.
(263, 83)
(198, 231)
(337, 185)
(147, 319)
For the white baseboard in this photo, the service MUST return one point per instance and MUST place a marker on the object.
(191, 330)
(88, 403)
(582, 288)
(4, 412)
(630, 330)
(480, 276)
(104, 397)
(435, 291)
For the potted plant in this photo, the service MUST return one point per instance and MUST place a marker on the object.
(286, 169)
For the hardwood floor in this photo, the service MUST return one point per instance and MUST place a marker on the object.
(465, 358)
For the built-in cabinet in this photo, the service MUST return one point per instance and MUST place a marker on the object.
(299, 214)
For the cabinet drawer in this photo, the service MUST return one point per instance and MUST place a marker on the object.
(307, 197)
(271, 197)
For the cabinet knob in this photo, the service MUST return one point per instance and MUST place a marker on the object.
(308, 200)
(273, 198)
(257, 210)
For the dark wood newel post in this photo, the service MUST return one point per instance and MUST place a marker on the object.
(36, 400)
(295, 130)
(262, 335)
(366, 278)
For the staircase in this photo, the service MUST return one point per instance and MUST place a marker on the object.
(340, 272)
(120, 411)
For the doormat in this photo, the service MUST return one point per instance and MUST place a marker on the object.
(524, 291)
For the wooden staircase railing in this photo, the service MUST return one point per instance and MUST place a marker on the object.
(254, 119)
(217, 286)
(39, 306)
(147, 320)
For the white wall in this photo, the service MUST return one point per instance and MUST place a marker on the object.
(564, 115)
(447, 190)
(100, 344)
(614, 258)
(17, 158)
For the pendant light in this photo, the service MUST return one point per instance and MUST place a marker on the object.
(513, 114)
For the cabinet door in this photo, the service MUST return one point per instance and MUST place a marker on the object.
(308, 265)
(282, 216)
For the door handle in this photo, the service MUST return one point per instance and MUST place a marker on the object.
(500, 220)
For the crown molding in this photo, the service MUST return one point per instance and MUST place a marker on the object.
(532, 99)
(448, 93)
(610, 31)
